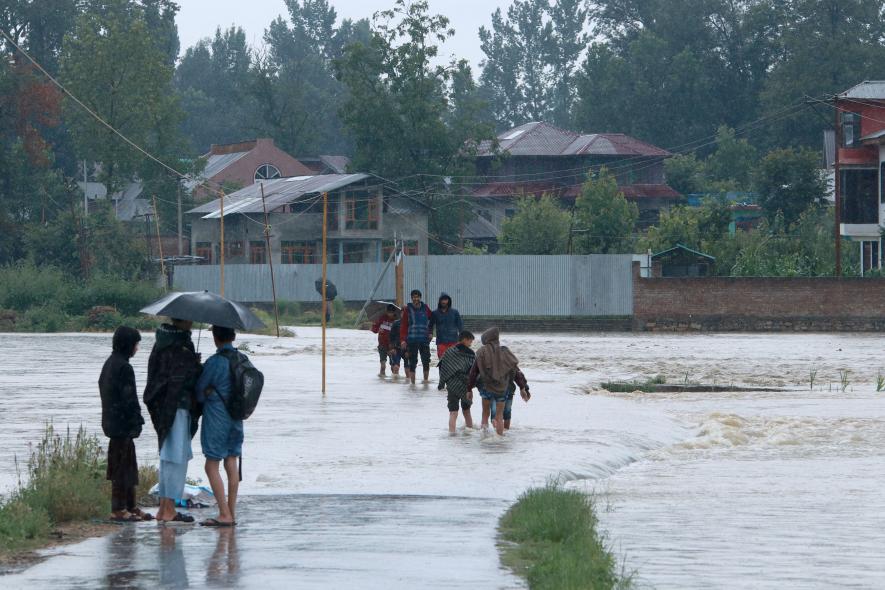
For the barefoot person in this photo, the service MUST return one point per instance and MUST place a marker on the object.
(121, 422)
(221, 436)
(383, 326)
(173, 369)
(454, 371)
(415, 335)
(495, 368)
(511, 390)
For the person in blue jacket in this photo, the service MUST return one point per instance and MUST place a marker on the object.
(448, 324)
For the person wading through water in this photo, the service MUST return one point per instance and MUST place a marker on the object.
(173, 369)
(121, 422)
(415, 335)
(447, 323)
(495, 368)
(454, 371)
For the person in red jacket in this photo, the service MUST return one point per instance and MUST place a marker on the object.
(415, 335)
(386, 344)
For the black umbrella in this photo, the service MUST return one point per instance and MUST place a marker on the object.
(205, 307)
(376, 309)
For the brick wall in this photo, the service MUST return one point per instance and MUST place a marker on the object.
(758, 304)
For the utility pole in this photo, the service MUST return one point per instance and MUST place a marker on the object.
(160, 245)
(323, 294)
(85, 192)
(273, 284)
(399, 278)
(221, 257)
(180, 252)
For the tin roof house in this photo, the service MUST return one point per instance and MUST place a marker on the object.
(540, 158)
(364, 217)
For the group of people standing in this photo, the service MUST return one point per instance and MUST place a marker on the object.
(179, 391)
(494, 369)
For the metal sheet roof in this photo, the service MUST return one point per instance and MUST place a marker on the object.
(874, 136)
(869, 89)
(543, 139)
(215, 163)
(277, 192)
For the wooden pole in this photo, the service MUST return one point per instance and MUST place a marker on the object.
(325, 256)
(221, 257)
(400, 260)
(273, 284)
(180, 250)
(160, 245)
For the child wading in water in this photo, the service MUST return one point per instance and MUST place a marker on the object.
(383, 327)
(121, 422)
(454, 371)
(495, 368)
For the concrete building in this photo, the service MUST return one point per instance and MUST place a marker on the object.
(538, 158)
(860, 168)
(364, 218)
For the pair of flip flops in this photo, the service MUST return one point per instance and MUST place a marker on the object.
(214, 522)
(136, 516)
(179, 519)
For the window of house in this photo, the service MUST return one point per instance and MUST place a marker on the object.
(356, 252)
(870, 252)
(233, 248)
(332, 220)
(204, 250)
(850, 129)
(299, 252)
(267, 172)
(859, 195)
(257, 252)
(410, 248)
(361, 210)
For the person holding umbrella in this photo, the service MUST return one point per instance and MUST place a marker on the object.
(173, 369)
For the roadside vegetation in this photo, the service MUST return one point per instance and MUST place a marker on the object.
(65, 483)
(551, 537)
(48, 299)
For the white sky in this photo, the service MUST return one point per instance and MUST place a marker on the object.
(199, 18)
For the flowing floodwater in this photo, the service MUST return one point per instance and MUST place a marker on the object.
(700, 490)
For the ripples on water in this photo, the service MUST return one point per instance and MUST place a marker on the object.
(707, 490)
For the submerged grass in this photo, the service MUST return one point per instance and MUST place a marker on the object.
(65, 483)
(552, 539)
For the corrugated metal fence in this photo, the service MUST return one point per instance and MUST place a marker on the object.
(595, 285)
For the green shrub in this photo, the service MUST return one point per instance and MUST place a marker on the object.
(124, 295)
(66, 477)
(555, 543)
(21, 524)
(43, 319)
(23, 286)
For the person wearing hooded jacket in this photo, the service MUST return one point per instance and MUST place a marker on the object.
(121, 422)
(495, 368)
(448, 324)
(173, 369)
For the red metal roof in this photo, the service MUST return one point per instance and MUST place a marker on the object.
(516, 189)
(543, 139)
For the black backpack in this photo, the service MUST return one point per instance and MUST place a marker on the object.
(246, 385)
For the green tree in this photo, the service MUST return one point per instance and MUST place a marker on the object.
(604, 219)
(539, 226)
(686, 174)
(731, 166)
(531, 58)
(404, 111)
(215, 81)
(788, 182)
(113, 64)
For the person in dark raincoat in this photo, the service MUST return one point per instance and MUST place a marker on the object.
(447, 323)
(173, 369)
(121, 422)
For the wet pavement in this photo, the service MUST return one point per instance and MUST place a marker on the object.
(365, 488)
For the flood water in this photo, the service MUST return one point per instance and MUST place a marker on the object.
(701, 490)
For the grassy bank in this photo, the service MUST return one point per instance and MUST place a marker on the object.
(45, 299)
(550, 537)
(65, 484)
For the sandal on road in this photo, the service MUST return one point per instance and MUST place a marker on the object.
(214, 522)
(142, 515)
(127, 518)
(179, 519)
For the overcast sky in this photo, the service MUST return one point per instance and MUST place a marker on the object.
(199, 18)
